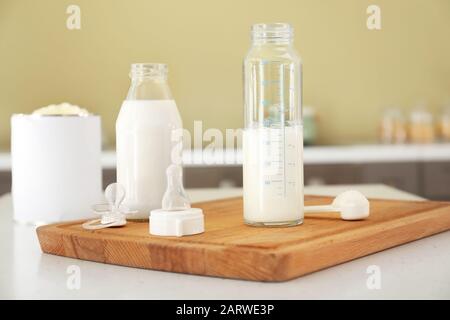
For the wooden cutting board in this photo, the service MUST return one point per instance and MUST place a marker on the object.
(231, 249)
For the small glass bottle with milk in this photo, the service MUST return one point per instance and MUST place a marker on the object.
(144, 142)
(273, 133)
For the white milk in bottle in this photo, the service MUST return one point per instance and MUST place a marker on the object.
(144, 143)
(273, 175)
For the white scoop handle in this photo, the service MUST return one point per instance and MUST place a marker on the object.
(323, 208)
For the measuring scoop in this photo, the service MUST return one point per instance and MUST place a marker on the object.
(352, 205)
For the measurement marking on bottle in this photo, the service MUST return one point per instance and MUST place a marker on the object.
(270, 82)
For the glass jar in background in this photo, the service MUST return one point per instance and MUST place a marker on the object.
(392, 126)
(273, 133)
(444, 124)
(421, 126)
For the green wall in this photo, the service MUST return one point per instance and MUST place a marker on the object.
(350, 72)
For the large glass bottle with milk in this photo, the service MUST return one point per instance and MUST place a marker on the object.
(273, 133)
(144, 143)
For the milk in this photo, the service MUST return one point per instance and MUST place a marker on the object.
(144, 144)
(273, 175)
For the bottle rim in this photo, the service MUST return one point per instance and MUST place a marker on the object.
(146, 69)
(272, 31)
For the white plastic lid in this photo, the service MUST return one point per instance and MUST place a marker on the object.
(176, 223)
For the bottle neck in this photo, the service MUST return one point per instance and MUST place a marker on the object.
(276, 34)
(278, 43)
(149, 82)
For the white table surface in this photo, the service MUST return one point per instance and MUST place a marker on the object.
(418, 270)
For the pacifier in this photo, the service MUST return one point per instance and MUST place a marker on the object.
(352, 205)
(176, 217)
(112, 213)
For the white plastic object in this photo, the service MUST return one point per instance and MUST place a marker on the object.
(56, 167)
(176, 223)
(176, 217)
(113, 213)
(352, 205)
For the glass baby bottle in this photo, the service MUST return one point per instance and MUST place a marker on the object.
(273, 131)
(144, 141)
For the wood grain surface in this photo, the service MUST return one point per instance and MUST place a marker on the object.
(230, 249)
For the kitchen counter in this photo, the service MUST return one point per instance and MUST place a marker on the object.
(414, 270)
(345, 154)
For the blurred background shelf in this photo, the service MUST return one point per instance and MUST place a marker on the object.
(420, 169)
